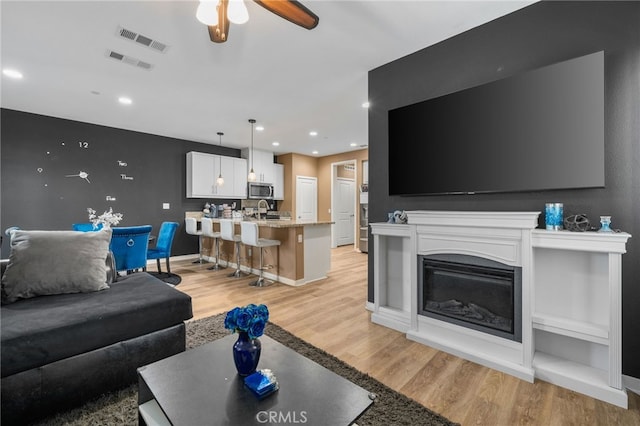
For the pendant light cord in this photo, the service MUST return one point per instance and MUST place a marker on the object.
(252, 121)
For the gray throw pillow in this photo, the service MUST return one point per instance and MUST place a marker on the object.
(55, 262)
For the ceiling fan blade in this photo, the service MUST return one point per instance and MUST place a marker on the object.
(219, 33)
(292, 11)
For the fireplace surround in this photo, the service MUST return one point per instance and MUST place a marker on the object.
(569, 290)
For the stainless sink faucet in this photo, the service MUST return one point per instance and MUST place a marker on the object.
(266, 207)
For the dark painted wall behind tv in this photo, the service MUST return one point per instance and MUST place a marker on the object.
(541, 34)
(39, 151)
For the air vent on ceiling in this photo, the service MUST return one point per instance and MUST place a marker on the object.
(142, 40)
(129, 60)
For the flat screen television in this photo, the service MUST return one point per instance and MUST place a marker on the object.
(539, 130)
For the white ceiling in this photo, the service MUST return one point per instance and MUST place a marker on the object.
(289, 79)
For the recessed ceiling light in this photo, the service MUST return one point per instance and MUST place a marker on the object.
(314, 152)
(275, 143)
(353, 144)
(12, 73)
(313, 133)
(124, 100)
(366, 104)
(259, 128)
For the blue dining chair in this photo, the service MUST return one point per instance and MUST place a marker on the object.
(162, 250)
(129, 246)
(86, 227)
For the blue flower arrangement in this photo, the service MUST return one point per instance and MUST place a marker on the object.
(250, 319)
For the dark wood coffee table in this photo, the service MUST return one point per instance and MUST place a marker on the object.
(201, 387)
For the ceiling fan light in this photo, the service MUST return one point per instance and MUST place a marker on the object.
(237, 12)
(207, 12)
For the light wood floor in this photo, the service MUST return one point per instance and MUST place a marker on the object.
(331, 315)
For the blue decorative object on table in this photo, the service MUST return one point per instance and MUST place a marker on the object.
(262, 383)
(553, 215)
(249, 322)
(246, 354)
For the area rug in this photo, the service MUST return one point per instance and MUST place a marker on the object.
(389, 409)
(167, 277)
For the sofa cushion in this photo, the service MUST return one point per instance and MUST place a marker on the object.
(45, 329)
(55, 262)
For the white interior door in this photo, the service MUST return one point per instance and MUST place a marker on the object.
(306, 198)
(344, 211)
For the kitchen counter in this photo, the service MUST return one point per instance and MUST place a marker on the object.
(271, 223)
(303, 256)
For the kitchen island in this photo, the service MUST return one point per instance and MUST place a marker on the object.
(304, 254)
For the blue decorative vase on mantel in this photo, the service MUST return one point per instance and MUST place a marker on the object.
(246, 353)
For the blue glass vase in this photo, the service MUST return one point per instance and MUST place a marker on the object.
(246, 353)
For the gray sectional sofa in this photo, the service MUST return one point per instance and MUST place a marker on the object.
(61, 350)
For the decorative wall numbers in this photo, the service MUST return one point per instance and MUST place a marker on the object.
(123, 176)
(81, 157)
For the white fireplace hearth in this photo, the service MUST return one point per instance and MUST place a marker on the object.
(570, 291)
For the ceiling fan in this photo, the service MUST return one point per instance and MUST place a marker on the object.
(218, 14)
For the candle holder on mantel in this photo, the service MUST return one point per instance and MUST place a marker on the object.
(553, 216)
(605, 222)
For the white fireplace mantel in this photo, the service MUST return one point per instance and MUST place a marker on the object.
(564, 274)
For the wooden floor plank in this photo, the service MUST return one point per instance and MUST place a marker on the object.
(331, 315)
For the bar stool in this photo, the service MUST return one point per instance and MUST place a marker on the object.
(207, 231)
(191, 227)
(227, 232)
(250, 237)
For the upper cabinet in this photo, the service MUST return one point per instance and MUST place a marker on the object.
(239, 178)
(262, 162)
(203, 169)
(266, 170)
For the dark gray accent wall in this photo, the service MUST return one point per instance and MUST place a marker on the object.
(38, 152)
(539, 35)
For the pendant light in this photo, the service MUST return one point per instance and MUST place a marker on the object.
(220, 180)
(252, 174)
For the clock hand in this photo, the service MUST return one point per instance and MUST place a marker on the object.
(81, 175)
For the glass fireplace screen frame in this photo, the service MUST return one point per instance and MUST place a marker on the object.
(479, 267)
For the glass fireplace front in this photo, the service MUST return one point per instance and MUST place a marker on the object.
(472, 292)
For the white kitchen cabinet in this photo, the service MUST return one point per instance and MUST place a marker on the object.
(203, 170)
(201, 178)
(263, 165)
(278, 183)
(239, 178)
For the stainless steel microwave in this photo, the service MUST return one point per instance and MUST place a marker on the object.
(260, 191)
